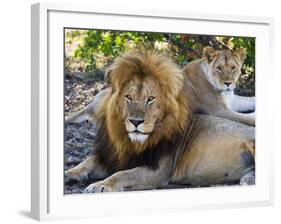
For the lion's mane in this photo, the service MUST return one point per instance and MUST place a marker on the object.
(113, 147)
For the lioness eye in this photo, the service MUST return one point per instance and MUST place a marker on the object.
(219, 68)
(150, 99)
(128, 97)
(233, 68)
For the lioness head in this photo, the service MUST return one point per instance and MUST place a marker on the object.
(147, 101)
(224, 67)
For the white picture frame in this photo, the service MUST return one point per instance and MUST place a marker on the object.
(48, 201)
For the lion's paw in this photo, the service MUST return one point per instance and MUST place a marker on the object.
(76, 174)
(101, 186)
(248, 179)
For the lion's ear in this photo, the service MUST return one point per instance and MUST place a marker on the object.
(209, 53)
(240, 54)
(107, 76)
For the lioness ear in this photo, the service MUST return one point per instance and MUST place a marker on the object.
(209, 53)
(240, 54)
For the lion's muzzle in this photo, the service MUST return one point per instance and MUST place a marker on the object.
(136, 122)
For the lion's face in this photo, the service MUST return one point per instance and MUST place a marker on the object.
(142, 109)
(224, 67)
(147, 102)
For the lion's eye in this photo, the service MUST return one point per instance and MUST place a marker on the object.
(150, 99)
(219, 69)
(128, 97)
(233, 68)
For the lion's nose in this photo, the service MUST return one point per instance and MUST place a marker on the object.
(136, 122)
(227, 83)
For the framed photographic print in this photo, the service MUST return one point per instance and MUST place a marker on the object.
(148, 111)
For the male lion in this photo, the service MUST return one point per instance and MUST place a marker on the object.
(214, 78)
(149, 137)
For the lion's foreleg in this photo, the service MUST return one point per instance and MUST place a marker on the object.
(138, 178)
(88, 168)
(248, 119)
(244, 104)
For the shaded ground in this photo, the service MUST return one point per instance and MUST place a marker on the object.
(79, 142)
(80, 89)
